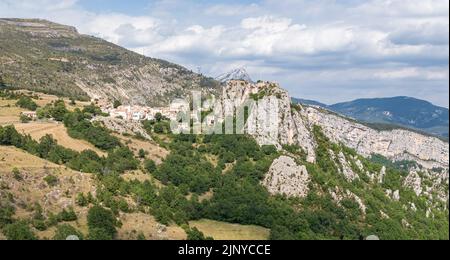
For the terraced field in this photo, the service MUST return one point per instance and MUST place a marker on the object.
(39, 129)
(9, 114)
(226, 231)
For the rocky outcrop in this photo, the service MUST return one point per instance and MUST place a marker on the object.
(346, 169)
(381, 175)
(338, 195)
(293, 125)
(269, 124)
(394, 195)
(285, 177)
(414, 181)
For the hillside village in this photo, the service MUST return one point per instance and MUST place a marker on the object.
(139, 113)
(130, 112)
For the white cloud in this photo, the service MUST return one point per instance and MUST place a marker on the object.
(47, 5)
(312, 47)
(404, 8)
(232, 10)
(266, 23)
(412, 73)
(123, 29)
(259, 36)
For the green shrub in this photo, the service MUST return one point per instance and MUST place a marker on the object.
(64, 231)
(99, 234)
(81, 200)
(141, 237)
(17, 175)
(117, 103)
(19, 231)
(51, 180)
(6, 213)
(67, 215)
(25, 119)
(150, 166)
(101, 223)
(195, 234)
(142, 154)
(27, 103)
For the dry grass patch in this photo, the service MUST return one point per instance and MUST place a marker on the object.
(7, 102)
(137, 175)
(11, 157)
(152, 230)
(226, 231)
(59, 132)
(155, 152)
(206, 196)
(11, 114)
(32, 188)
(141, 176)
(228, 167)
(213, 159)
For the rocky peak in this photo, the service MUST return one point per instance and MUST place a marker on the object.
(236, 74)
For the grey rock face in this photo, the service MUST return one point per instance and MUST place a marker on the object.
(291, 126)
(348, 172)
(414, 181)
(295, 124)
(287, 178)
(237, 74)
(430, 152)
(338, 195)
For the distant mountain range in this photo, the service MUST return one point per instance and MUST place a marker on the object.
(402, 111)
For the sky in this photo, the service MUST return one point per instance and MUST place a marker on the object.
(326, 50)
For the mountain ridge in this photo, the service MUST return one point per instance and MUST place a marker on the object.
(403, 111)
(56, 59)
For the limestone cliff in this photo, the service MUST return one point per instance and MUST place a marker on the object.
(428, 151)
(295, 125)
